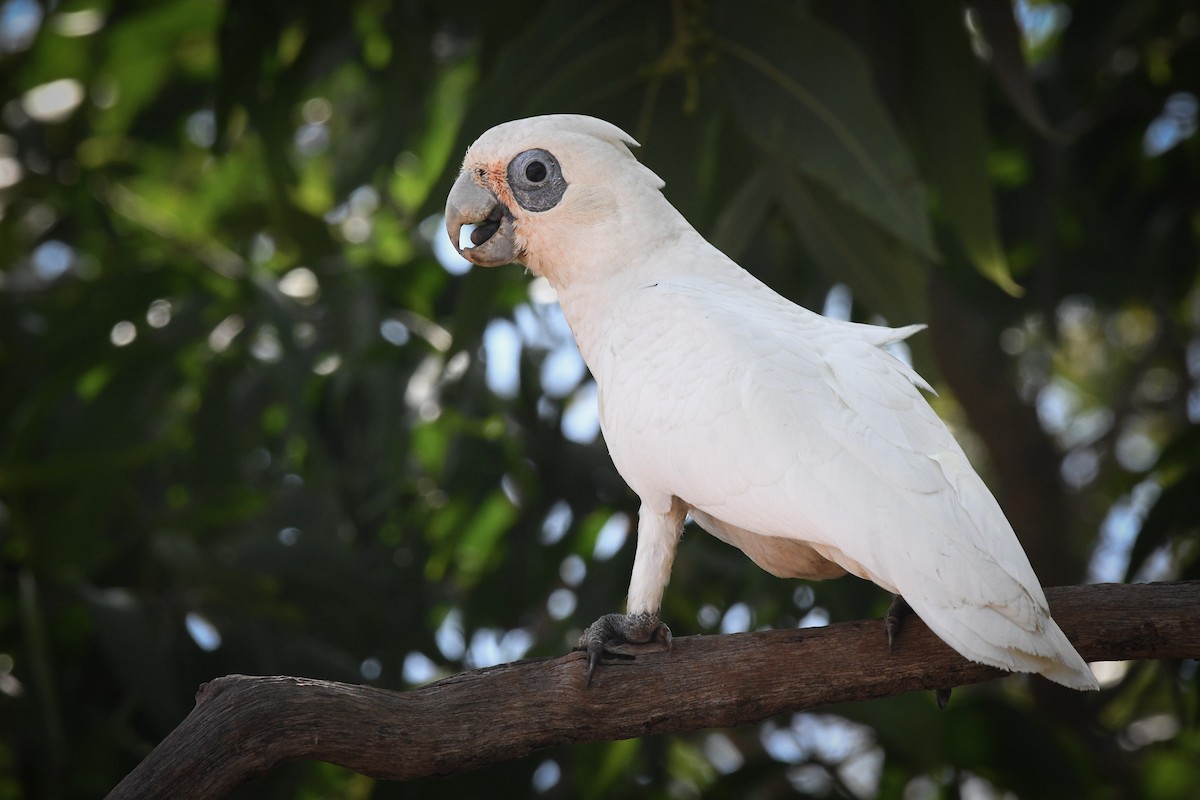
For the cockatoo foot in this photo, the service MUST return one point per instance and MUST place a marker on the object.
(894, 618)
(617, 629)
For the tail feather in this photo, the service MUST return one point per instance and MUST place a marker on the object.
(985, 636)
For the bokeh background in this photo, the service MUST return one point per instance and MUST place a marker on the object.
(257, 417)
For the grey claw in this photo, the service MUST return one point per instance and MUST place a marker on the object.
(594, 652)
(894, 618)
(613, 630)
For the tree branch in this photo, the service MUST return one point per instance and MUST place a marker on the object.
(244, 726)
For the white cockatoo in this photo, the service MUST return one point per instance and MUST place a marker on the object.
(798, 439)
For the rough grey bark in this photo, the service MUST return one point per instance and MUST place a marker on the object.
(243, 726)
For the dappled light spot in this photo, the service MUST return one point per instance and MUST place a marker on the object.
(1136, 449)
(546, 776)
(327, 364)
(300, 284)
(502, 358)
(438, 337)
(738, 619)
(265, 346)
(562, 370)
(53, 101)
(839, 302)
(201, 128)
(312, 139)
(289, 536)
(52, 259)
(123, 333)
(316, 110)
(581, 417)
(353, 218)
(262, 247)
(371, 668)
(708, 616)
(560, 604)
(541, 292)
(1148, 730)
(491, 646)
(356, 229)
(158, 315)
(1109, 673)
(449, 636)
(780, 743)
(722, 753)
(543, 325)
(572, 570)
(457, 366)
(418, 668)
(203, 632)
(225, 332)
(10, 169)
(1175, 123)
(19, 24)
(816, 618)
(818, 743)
(811, 780)
(611, 537)
(1056, 405)
(511, 489)
(1040, 22)
(1080, 467)
(10, 686)
(77, 23)
(557, 522)
(394, 332)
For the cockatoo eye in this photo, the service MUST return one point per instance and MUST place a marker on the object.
(535, 171)
(536, 180)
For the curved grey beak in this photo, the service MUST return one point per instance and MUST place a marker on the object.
(470, 204)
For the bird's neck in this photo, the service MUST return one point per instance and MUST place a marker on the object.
(596, 301)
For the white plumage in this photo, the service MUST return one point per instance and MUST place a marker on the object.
(796, 438)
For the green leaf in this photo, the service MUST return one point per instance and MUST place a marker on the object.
(1003, 36)
(567, 58)
(482, 536)
(805, 96)
(742, 217)
(850, 249)
(944, 100)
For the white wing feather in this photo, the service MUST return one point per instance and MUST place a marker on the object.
(772, 421)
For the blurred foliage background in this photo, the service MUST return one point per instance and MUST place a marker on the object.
(254, 418)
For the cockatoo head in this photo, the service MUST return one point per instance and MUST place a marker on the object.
(546, 191)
